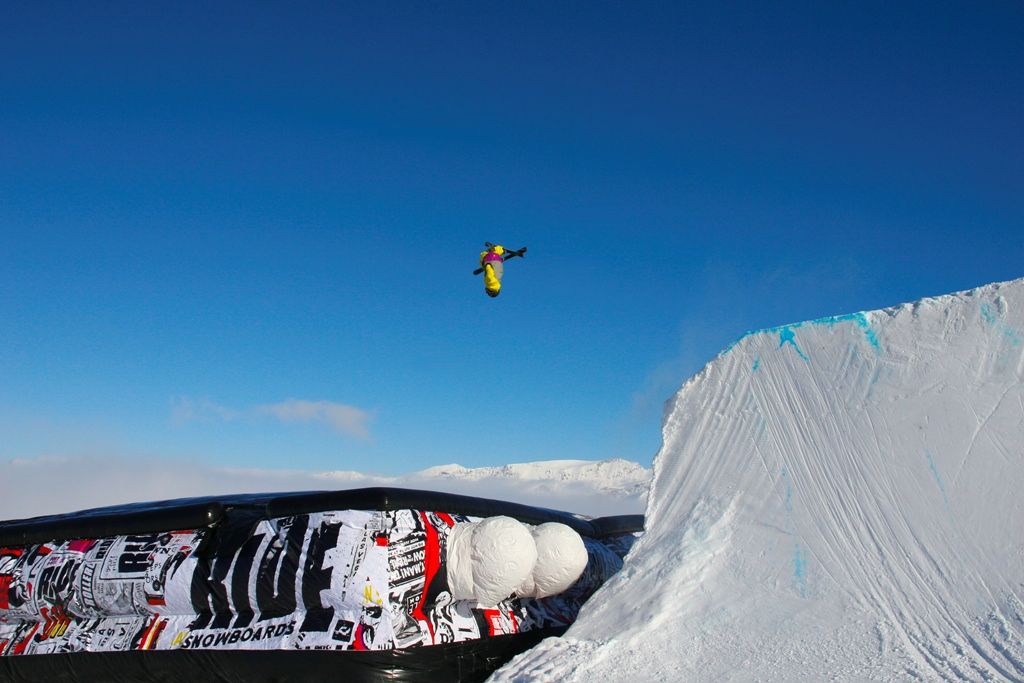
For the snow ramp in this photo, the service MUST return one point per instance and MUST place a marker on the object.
(839, 499)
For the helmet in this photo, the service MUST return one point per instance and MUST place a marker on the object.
(492, 292)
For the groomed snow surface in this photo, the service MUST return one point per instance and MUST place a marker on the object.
(834, 500)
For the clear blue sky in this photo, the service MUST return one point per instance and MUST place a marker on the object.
(208, 210)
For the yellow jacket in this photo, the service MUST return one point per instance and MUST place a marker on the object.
(493, 263)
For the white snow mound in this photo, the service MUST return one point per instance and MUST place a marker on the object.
(837, 499)
(489, 559)
(561, 559)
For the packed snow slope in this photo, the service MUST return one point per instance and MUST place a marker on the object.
(837, 499)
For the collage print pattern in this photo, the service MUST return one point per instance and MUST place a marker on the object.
(335, 580)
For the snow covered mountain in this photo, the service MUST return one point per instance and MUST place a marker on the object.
(615, 476)
(834, 500)
(588, 487)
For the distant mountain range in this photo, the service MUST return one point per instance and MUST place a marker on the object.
(588, 487)
(592, 487)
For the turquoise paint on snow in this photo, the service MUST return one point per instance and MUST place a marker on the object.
(800, 570)
(789, 489)
(935, 473)
(988, 315)
(786, 332)
(730, 347)
(861, 321)
(787, 336)
(992, 319)
(799, 562)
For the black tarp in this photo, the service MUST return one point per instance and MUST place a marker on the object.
(194, 513)
(231, 519)
(467, 661)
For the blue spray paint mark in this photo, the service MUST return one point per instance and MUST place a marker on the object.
(789, 489)
(800, 570)
(787, 336)
(862, 322)
(993, 321)
(757, 363)
(935, 473)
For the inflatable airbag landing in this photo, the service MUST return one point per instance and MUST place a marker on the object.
(561, 559)
(490, 560)
(366, 585)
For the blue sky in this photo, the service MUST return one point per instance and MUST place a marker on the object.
(242, 235)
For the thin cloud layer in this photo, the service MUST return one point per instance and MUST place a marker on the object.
(344, 419)
(341, 418)
(185, 409)
(53, 485)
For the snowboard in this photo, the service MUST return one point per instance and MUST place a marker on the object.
(509, 253)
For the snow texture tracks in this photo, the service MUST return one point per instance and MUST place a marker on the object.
(834, 500)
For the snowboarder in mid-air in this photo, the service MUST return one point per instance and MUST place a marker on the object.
(492, 265)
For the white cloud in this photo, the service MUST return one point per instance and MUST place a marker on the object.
(52, 485)
(185, 409)
(342, 418)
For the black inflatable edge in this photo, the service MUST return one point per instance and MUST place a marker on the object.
(93, 525)
(195, 513)
(465, 662)
(384, 498)
(617, 525)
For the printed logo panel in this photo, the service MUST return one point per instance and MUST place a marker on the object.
(336, 580)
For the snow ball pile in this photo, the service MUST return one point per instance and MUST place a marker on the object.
(498, 556)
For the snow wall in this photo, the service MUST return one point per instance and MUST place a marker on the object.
(838, 499)
(310, 586)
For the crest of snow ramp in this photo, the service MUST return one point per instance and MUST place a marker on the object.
(839, 499)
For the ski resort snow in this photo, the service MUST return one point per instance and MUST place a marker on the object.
(837, 499)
